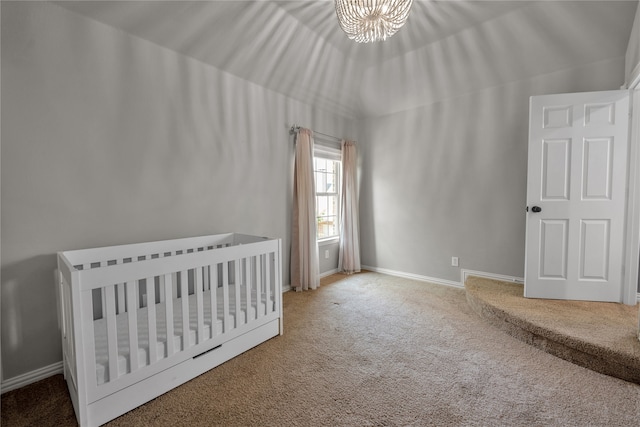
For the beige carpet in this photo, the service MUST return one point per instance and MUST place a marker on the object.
(372, 350)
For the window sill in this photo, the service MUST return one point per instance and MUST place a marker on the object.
(329, 241)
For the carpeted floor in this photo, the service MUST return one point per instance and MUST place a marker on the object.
(597, 335)
(372, 350)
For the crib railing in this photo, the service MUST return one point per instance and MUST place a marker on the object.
(164, 307)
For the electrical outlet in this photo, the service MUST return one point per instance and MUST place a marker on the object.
(326, 254)
(454, 261)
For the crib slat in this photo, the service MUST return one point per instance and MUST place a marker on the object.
(268, 283)
(236, 287)
(213, 287)
(277, 285)
(67, 318)
(161, 293)
(85, 353)
(120, 298)
(120, 294)
(259, 271)
(247, 282)
(168, 312)
(184, 297)
(199, 304)
(206, 284)
(108, 295)
(69, 332)
(225, 297)
(174, 290)
(132, 314)
(151, 318)
(206, 281)
(104, 306)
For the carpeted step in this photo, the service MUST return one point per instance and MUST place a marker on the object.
(598, 336)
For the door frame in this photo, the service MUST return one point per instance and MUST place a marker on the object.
(632, 244)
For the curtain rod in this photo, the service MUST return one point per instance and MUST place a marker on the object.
(296, 128)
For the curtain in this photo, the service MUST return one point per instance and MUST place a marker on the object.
(304, 247)
(349, 253)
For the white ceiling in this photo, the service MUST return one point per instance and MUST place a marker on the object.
(297, 47)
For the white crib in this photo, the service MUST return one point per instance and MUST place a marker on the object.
(138, 320)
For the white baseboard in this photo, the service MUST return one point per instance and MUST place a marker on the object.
(31, 377)
(463, 275)
(466, 273)
(288, 287)
(414, 276)
(329, 273)
(638, 297)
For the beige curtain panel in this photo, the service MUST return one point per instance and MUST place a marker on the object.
(349, 254)
(304, 247)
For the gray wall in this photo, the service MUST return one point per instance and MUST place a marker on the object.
(632, 67)
(449, 178)
(109, 139)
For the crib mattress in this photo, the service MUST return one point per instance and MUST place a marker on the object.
(218, 326)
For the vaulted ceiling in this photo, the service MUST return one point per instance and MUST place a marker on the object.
(446, 48)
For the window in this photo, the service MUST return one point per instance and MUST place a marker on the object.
(327, 168)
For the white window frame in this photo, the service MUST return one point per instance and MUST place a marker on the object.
(330, 153)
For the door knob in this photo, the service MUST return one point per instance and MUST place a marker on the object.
(536, 209)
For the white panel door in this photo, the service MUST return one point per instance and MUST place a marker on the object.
(576, 196)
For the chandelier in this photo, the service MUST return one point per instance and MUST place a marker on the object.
(368, 21)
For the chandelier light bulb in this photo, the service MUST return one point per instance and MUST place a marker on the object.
(367, 21)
